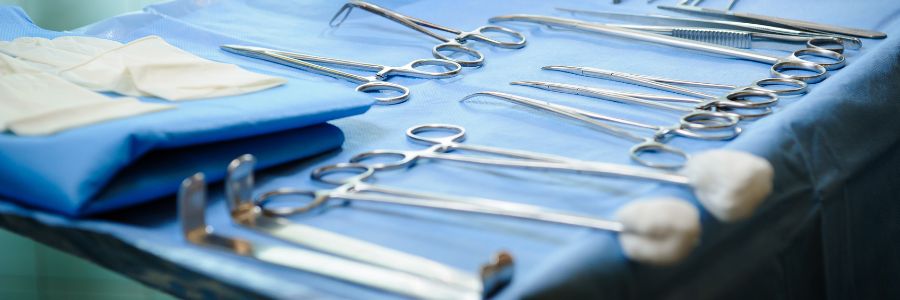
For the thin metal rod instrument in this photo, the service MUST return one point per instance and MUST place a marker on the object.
(779, 64)
(366, 83)
(451, 45)
(239, 185)
(191, 211)
(728, 33)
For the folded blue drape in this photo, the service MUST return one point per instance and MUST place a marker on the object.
(86, 170)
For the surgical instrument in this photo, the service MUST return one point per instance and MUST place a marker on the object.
(191, 211)
(704, 120)
(367, 83)
(752, 175)
(774, 21)
(672, 233)
(728, 33)
(239, 184)
(779, 65)
(452, 45)
(789, 86)
(712, 113)
(740, 102)
(697, 2)
(355, 188)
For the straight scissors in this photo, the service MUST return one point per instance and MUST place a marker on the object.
(367, 83)
(691, 125)
(454, 45)
(779, 64)
(729, 33)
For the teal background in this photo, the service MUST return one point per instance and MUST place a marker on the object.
(71, 14)
(29, 270)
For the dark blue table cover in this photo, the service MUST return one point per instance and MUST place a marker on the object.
(830, 228)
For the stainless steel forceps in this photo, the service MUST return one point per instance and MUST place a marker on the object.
(191, 212)
(454, 45)
(239, 186)
(774, 21)
(779, 64)
(691, 125)
(367, 83)
(728, 33)
(748, 102)
(509, 158)
(355, 188)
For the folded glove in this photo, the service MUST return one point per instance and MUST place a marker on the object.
(145, 67)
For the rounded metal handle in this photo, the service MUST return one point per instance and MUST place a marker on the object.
(480, 34)
(359, 173)
(453, 134)
(265, 200)
(826, 43)
(837, 60)
(454, 47)
(788, 86)
(400, 159)
(649, 147)
(709, 120)
(780, 67)
(377, 86)
(450, 68)
(748, 99)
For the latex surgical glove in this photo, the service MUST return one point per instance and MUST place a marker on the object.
(33, 102)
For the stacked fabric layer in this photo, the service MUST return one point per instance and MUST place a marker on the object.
(72, 147)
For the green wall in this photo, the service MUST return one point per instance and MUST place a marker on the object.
(71, 14)
(29, 270)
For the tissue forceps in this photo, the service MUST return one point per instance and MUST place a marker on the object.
(453, 45)
(508, 158)
(774, 21)
(367, 83)
(239, 185)
(779, 64)
(191, 208)
(687, 127)
(355, 188)
(728, 33)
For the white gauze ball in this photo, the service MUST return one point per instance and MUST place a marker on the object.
(659, 231)
(730, 184)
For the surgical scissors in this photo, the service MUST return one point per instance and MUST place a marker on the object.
(729, 33)
(779, 65)
(454, 45)
(355, 188)
(739, 102)
(367, 83)
(694, 120)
